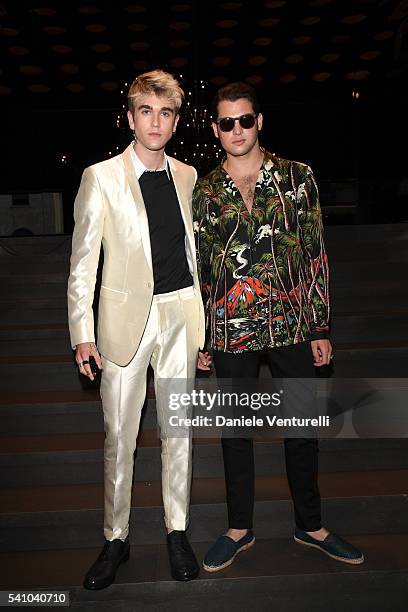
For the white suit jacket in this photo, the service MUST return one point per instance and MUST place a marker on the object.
(109, 210)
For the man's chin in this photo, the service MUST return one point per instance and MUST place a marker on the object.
(239, 151)
(156, 146)
(242, 149)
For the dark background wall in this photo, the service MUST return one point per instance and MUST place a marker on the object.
(60, 96)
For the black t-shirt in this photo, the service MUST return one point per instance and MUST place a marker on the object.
(167, 232)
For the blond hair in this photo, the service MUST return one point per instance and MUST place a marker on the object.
(157, 82)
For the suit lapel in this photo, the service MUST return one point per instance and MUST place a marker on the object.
(183, 196)
(139, 203)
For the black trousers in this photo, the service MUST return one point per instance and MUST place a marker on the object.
(301, 454)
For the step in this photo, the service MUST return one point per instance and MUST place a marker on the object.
(390, 326)
(20, 340)
(369, 298)
(367, 315)
(34, 340)
(76, 441)
(361, 299)
(40, 372)
(345, 324)
(343, 273)
(373, 591)
(45, 373)
(372, 363)
(359, 275)
(366, 233)
(30, 398)
(47, 468)
(357, 408)
(31, 413)
(53, 412)
(341, 280)
(73, 413)
(33, 316)
(59, 372)
(273, 563)
(204, 491)
(382, 244)
(354, 267)
(47, 264)
(82, 529)
(23, 280)
(52, 506)
(32, 303)
(372, 248)
(29, 246)
(278, 558)
(32, 289)
(378, 251)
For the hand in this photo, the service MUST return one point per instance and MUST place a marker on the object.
(322, 352)
(82, 354)
(204, 361)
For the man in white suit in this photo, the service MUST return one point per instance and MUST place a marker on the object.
(137, 205)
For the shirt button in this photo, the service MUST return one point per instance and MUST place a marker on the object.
(149, 284)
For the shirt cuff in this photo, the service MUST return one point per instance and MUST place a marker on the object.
(322, 334)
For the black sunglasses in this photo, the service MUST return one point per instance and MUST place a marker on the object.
(247, 121)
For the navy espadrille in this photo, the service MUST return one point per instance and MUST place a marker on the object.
(332, 545)
(223, 552)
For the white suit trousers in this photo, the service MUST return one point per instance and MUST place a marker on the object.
(170, 345)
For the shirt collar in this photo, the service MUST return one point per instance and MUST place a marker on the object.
(268, 161)
(140, 167)
(267, 164)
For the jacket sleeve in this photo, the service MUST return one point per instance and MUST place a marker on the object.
(204, 239)
(86, 246)
(317, 277)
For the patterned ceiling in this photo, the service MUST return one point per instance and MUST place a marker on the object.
(83, 52)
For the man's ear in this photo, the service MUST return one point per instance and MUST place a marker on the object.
(215, 129)
(260, 121)
(176, 122)
(131, 120)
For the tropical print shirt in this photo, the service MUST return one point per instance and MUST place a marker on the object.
(264, 275)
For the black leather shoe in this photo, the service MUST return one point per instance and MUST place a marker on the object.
(102, 572)
(183, 563)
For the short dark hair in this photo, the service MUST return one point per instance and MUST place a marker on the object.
(233, 92)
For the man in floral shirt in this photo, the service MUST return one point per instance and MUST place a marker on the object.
(265, 282)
